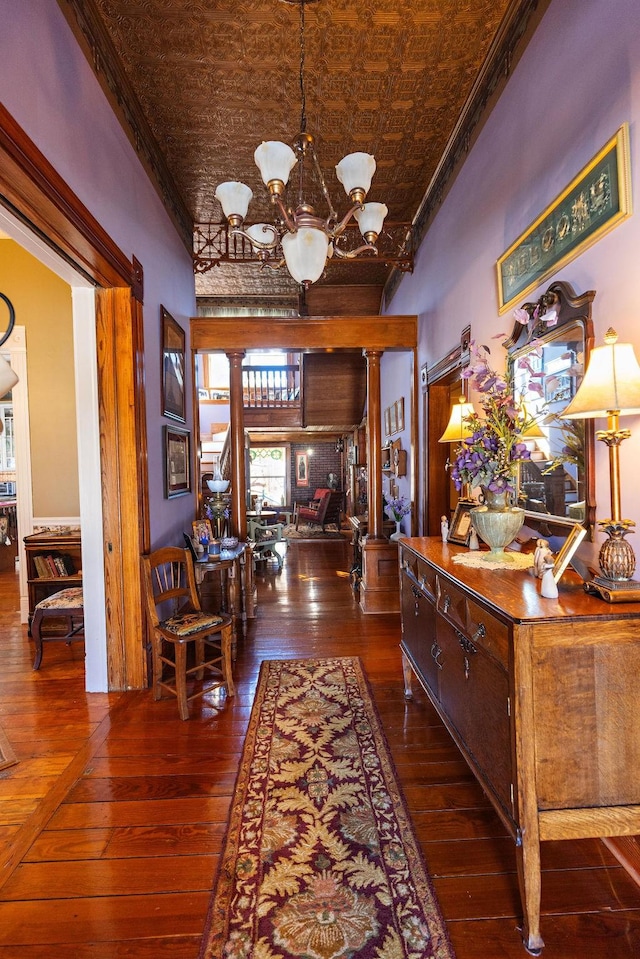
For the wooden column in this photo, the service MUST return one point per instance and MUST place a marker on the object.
(374, 444)
(379, 586)
(236, 438)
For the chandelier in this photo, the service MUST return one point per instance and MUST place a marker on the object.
(299, 237)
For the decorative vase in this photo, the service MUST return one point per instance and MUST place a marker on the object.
(398, 533)
(496, 522)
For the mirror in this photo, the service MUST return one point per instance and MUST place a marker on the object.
(548, 352)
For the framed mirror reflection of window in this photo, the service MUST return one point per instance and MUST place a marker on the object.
(548, 351)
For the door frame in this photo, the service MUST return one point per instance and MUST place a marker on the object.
(32, 190)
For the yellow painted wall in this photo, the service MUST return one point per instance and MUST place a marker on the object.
(42, 303)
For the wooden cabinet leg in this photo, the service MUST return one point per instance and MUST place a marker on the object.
(528, 860)
(407, 674)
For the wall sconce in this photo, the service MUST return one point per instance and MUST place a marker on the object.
(8, 378)
(456, 431)
(611, 388)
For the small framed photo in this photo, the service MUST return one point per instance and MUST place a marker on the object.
(202, 530)
(302, 469)
(387, 422)
(399, 405)
(460, 528)
(573, 540)
(173, 368)
(177, 462)
(393, 422)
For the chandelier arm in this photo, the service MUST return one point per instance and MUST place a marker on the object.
(261, 245)
(286, 214)
(323, 186)
(350, 254)
(342, 225)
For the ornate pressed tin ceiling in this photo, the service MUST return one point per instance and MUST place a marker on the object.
(200, 83)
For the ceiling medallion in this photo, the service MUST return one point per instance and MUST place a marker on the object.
(298, 237)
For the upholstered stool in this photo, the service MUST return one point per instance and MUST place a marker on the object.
(66, 605)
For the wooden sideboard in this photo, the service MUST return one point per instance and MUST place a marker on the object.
(540, 695)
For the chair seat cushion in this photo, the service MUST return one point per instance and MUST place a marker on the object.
(70, 598)
(183, 624)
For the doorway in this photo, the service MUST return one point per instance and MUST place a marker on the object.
(89, 474)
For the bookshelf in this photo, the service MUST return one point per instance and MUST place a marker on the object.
(54, 562)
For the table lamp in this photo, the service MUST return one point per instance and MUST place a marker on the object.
(457, 430)
(611, 388)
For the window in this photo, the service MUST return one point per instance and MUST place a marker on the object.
(269, 474)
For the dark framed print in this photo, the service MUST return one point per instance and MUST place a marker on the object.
(177, 461)
(595, 201)
(302, 469)
(460, 529)
(173, 367)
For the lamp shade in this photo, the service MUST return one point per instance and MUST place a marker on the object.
(355, 171)
(611, 382)
(370, 218)
(234, 198)
(305, 253)
(275, 161)
(8, 378)
(457, 430)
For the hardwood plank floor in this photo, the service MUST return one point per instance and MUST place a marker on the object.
(112, 822)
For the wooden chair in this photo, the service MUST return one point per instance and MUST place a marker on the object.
(314, 513)
(176, 621)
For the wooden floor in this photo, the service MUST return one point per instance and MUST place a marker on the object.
(112, 822)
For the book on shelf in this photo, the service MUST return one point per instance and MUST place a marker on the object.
(41, 567)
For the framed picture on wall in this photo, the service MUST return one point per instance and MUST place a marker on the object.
(177, 462)
(302, 469)
(399, 405)
(173, 367)
(387, 422)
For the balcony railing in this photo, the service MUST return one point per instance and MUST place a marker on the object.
(269, 387)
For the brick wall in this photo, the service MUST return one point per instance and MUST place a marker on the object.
(323, 459)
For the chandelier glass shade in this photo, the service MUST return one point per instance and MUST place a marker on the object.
(305, 238)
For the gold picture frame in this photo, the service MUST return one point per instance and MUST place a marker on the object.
(595, 201)
(576, 534)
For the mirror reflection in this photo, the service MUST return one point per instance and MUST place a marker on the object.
(548, 351)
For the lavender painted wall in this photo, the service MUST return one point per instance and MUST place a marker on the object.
(575, 85)
(49, 88)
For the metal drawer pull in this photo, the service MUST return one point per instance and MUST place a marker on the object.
(466, 644)
(447, 603)
(480, 633)
(436, 651)
(416, 592)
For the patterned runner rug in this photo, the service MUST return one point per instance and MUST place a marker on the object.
(320, 860)
(330, 531)
(7, 755)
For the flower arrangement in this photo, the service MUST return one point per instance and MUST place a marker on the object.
(489, 457)
(396, 508)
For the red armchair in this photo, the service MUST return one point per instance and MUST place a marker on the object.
(313, 513)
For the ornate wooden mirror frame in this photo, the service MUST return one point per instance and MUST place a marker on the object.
(555, 498)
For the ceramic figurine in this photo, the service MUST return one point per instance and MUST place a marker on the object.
(542, 557)
(548, 587)
(473, 539)
(444, 526)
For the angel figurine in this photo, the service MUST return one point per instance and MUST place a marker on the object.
(542, 557)
(444, 528)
